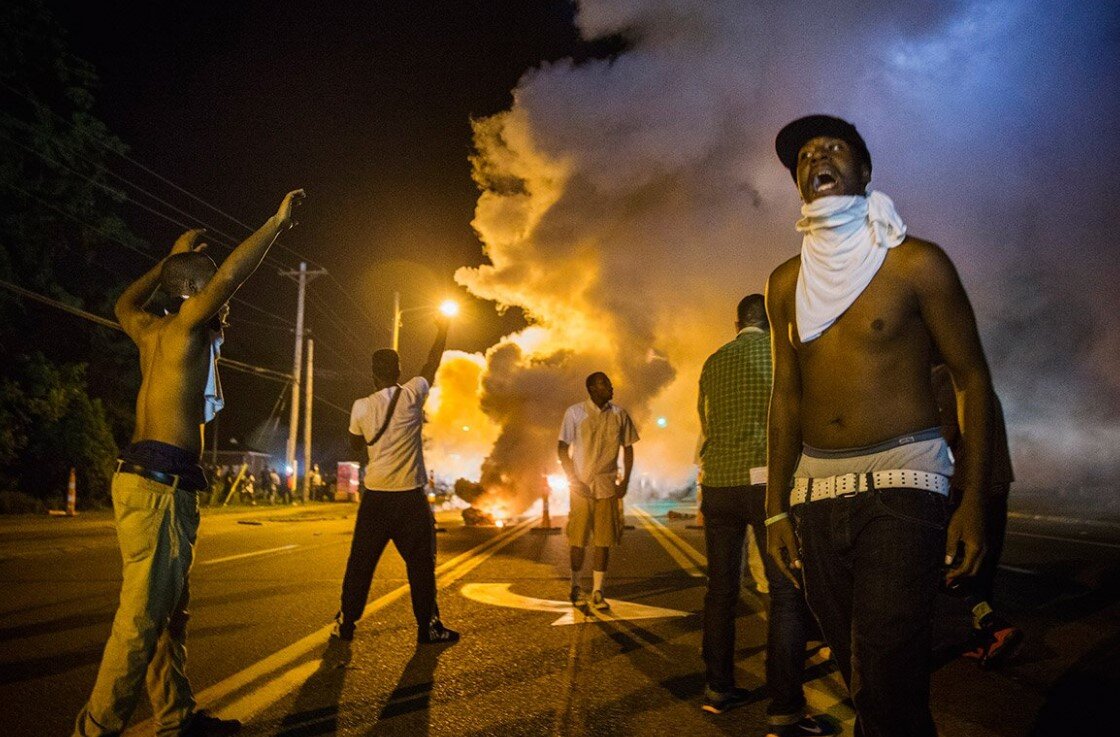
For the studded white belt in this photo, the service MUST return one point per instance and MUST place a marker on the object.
(850, 484)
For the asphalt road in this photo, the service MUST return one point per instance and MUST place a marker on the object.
(266, 582)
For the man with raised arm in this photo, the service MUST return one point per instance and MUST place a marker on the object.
(385, 430)
(158, 478)
(857, 464)
(590, 437)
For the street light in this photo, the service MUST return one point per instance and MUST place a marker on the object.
(448, 307)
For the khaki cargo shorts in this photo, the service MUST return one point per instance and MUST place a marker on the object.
(597, 522)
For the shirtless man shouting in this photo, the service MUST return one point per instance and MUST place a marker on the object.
(857, 464)
(158, 477)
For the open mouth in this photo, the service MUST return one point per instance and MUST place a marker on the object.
(824, 182)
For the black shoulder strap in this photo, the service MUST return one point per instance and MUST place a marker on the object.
(388, 416)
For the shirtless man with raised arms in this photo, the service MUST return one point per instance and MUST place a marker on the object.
(158, 477)
(857, 464)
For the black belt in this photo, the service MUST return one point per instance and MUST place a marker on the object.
(167, 479)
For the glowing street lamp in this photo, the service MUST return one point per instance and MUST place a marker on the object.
(448, 307)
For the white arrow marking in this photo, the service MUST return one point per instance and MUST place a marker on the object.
(498, 594)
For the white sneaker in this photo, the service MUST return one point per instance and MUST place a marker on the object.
(599, 602)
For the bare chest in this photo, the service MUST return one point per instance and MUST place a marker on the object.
(883, 317)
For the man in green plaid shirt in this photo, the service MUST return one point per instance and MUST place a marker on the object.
(734, 401)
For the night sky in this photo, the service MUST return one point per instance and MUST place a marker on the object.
(367, 107)
(630, 196)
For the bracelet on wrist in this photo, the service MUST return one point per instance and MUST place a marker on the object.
(776, 518)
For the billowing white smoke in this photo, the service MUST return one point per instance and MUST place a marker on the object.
(628, 204)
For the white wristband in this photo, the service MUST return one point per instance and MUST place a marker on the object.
(776, 518)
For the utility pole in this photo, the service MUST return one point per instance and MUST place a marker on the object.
(397, 321)
(302, 277)
(307, 396)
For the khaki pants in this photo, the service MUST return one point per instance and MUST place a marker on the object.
(156, 526)
(596, 522)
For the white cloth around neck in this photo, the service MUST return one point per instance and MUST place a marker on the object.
(846, 241)
(214, 401)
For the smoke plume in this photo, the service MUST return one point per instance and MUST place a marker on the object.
(627, 204)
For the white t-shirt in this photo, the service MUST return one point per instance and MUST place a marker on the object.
(396, 461)
(594, 437)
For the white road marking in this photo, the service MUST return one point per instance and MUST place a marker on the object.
(245, 555)
(1017, 569)
(1065, 539)
(498, 594)
(824, 695)
(283, 668)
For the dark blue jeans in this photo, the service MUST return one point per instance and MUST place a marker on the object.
(872, 563)
(727, 512)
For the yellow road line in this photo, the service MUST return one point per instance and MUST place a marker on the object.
(277, 687)
(824, 694)
(686, 556)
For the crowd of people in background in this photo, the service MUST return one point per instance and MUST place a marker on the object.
(265, 485)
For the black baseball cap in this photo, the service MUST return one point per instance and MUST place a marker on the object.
(791, 138)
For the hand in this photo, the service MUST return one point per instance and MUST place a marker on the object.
(620, 488)
(292, 200)
(781, 545)
(579, 487)
(188, 241)
(966, 530)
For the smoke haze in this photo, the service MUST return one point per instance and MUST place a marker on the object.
(627, 205)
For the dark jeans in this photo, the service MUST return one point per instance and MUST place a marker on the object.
(405, 518)
(872, 563)
(727, 513)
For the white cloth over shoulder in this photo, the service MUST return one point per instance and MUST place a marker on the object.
(846, 241)
(214, 401)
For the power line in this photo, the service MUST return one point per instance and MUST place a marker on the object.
(334, 320)
(346, 294)
(231, 242)
(130, 247)
(266, 373)
(123, 179)
(232, 239)
(39, 104)
(330, 404)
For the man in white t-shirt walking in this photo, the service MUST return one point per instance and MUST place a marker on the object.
(592, 433)
(386, 427)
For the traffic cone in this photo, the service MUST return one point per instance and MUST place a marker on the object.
(545, 526)
(72, 494)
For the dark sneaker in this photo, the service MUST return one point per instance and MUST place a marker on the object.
(577, 597)
(437, 634)
(993, 642)
(1004, 642)
(599, 602)
(342, 630)
(204, 725)
(807, 727)
(716, 702)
